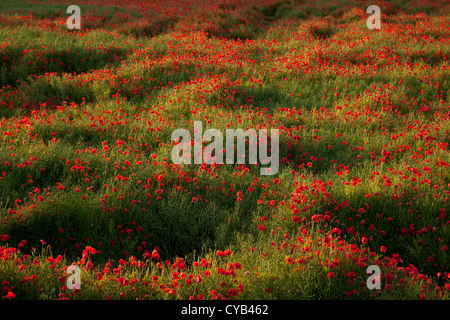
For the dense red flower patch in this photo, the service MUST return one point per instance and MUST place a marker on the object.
(86, 175)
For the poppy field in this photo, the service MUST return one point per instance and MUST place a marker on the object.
(86, 171)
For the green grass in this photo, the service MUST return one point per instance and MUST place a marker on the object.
(85, 150)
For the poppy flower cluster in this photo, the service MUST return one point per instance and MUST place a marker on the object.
(86, 176)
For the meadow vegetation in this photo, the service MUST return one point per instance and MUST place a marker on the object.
(86, 176)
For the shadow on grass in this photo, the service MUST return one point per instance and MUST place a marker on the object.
(18, 65)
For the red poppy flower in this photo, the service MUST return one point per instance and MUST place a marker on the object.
(221, 253)
(10, 295)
